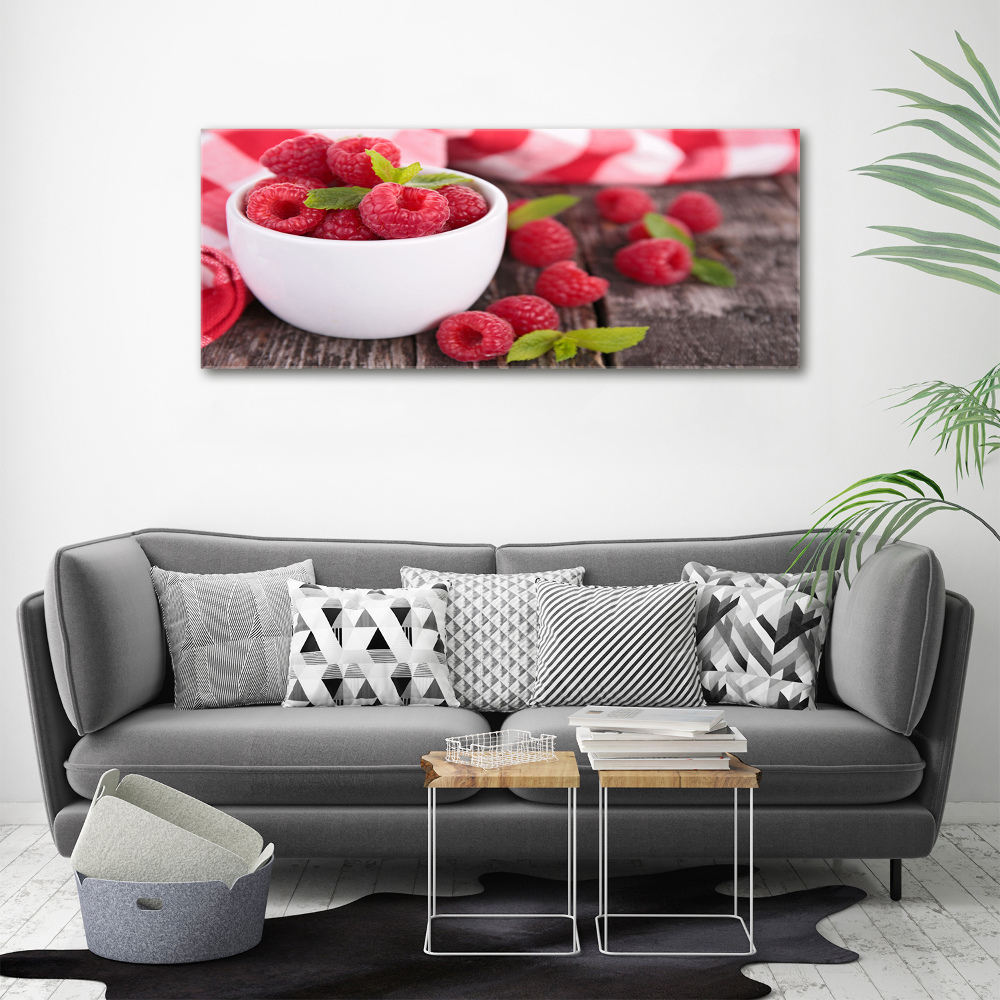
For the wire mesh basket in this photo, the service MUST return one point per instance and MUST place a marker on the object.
(492, 750)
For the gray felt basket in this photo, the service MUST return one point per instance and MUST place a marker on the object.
(161, 923)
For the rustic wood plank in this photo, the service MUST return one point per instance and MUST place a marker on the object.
(261, 340)
(693, 325)
(560, 773)
(738, 775)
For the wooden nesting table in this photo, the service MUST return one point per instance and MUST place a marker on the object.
(559, 773)
(737, 776)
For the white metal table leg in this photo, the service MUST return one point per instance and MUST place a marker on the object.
(571, 889)
(601, 921)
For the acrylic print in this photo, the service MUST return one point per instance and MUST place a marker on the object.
(500, 248)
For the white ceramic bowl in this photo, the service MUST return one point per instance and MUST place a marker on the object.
(374, 289)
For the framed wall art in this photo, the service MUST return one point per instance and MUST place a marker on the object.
(500, 248)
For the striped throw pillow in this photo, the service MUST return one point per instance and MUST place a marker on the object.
(228, 634)
(617, 646)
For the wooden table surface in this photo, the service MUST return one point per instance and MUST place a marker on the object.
(561, 773)
(692, 325)
(738, 775)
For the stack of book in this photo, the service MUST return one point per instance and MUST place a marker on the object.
(656, 739)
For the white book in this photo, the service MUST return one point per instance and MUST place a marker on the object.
(638, 744)
(715, 763)
(685, 720)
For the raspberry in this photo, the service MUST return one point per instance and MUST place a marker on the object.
(654, 262)
(475, 336)
(542, 242)
(303, 156)
(564, 284)
(699, 211)
(306, 182)
(638, 230)
(526, 313)
(623, 204)
(395, 212)
(280, 207)
(343, 224)
(349, 161)
(467, 206)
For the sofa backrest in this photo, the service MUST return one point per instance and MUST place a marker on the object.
(105, 634)
(641, 562)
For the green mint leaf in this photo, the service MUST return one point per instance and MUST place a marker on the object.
(659, 229)
(532, 345)
(405, 174)
(540, 208)
(432, 180)
(712, 272)
(564, 348)
(384, 170)
(609, 339)
(334, 198)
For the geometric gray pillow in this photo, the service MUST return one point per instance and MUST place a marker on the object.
(490, 632)
(228, 634)
(760, 635)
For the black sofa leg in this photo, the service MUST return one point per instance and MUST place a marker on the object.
(896, 878)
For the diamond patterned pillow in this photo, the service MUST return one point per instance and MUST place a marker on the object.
(367, 647)
(760, 635)
(491, 632)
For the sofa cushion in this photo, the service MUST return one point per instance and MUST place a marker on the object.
(368, 647)
(617, 645)
(759, 635)
(268, 755)
(834, 756)
(228, 634)
(491, 632)
(885, 636)
(105, 636)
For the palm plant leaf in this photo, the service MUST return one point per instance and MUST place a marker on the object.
(948, 182)
(940, 163)
(984, 77)
(948, 254)
(958, 273)
(859, 516)
(960, 416)
(960, 81)
(939, 239)
(972, 120)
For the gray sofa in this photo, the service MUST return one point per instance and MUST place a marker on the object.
(863, 776)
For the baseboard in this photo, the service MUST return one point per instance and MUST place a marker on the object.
(971, 812)
(18, 813)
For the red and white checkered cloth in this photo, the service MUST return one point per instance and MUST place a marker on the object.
(229, 158)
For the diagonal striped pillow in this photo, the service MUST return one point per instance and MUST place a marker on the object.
(617, 646)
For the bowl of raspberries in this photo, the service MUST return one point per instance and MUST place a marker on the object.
(342, 240)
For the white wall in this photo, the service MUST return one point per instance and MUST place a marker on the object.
(109, 424)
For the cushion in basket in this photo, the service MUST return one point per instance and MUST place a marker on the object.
(760, 635)
(228, 634)
(367, 647)
(617, 646)
(491, 632)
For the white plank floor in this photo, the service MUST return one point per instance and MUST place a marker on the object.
(941, 942)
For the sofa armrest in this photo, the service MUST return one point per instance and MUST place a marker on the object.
(55, 735)
(937, 731)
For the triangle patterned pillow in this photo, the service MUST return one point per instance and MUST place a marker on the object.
(760, 635)
(367, 647)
